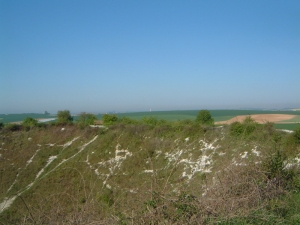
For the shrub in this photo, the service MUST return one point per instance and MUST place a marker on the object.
(109, 119)
(277, 172)
(249, 125)
(86, 119)
(245, 128)
(236, 129)
(64, 117)
(296, 135)
(204, 117)
(29, 122)
(12, 127)
(126, 120)
(150, 120)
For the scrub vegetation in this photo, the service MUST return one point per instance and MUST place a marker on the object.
(148, 171)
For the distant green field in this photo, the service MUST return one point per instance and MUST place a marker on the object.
(218, 115)
(295, 120)
(287, 126)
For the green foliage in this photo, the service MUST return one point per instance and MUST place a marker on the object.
(249, 125)
(107, 197)
(86, 119)
(153, 121)
(29, 122)
(274, 165)
(1, 125)
(127, 120)
(276, 170)
(150, 120)
(109, 119)
(11, 127)
(243, 129)
(296, 135)
(204, 117)
(64, 117)
(185, 207)
(236, 129)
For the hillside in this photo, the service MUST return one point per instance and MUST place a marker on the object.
(150, 173)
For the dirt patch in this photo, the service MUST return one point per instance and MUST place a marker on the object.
(260, 118)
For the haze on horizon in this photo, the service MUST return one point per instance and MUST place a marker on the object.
(101, 56)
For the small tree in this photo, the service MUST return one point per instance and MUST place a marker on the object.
(64, 117)
(29, 122)
(86, 119)
(204, 117)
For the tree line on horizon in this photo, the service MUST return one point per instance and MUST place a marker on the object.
(64, 117)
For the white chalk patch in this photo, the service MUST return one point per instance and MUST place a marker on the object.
(243, 156)
(69, 143)
(6, 203)
(30, 160)
(254, 151)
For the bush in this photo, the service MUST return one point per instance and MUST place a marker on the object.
(109, 119)
(236, 129)
(245, 128)
(64, 117)
(12, 127)
(296, 135)
(126, 120)
(29, 122)
(204, 117)
(150, 120)
(277, 172)
(86, 119)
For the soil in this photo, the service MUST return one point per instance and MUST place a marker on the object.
(260, 118)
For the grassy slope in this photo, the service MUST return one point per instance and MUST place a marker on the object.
(140, 173)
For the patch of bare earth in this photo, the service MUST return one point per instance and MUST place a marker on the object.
(260, 118)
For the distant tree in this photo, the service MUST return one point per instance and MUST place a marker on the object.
(1, 125)
(29, 122)
(86, 119)
(64, 117)
(109, 118)
(204, 117)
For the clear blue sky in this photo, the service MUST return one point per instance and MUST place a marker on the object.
(99, 56)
